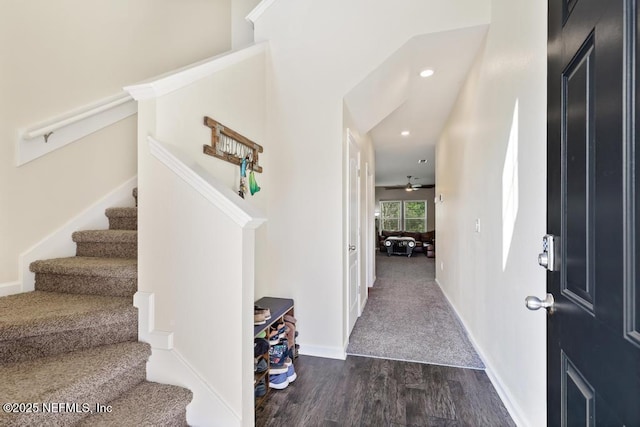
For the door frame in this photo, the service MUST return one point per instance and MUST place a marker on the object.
(352, 148)
(370, 226)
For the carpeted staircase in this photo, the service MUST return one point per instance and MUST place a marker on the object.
(72, 343)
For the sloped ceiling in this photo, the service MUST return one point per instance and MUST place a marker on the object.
(394, 97)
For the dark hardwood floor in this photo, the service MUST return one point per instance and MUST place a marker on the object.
(364, 391)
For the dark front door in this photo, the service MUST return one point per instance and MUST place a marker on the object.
(593, 209)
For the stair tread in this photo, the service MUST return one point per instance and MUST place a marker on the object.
(88, 266)
(106, 236)
(51, 378)
(147, 404)
(38, 313)
(121, 212)
(77, 349)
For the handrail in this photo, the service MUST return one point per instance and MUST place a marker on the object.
(182, 77)
(237, 209)
(77, 115)
(258, 11)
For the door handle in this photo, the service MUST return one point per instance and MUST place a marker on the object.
(535, 303)
(352, 247)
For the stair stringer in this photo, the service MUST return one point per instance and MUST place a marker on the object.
(166, 365)
(59, 243)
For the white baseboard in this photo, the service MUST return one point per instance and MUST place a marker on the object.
(58, 244)
(322, 351)
(364, 304)
(10, 288)
(206, 408)
(166, 365)
(513, 409)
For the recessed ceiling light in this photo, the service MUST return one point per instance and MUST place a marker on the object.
(422, 161)
(427, 72)
(405, 133)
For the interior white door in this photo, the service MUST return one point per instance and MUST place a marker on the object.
(354, 232)
(366, 237)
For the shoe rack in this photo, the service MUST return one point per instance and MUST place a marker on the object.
(279, 308)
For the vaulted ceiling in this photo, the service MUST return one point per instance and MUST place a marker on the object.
(395, 98)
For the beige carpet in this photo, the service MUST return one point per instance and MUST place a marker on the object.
(69, 351)
(407, 317)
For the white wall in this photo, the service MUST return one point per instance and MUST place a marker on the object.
(197, 262)
(241, 29)
(57, 56)
(234, 97)
(491, 166)
(318, 52)
(427, 194)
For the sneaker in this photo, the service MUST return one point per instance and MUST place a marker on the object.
(278, 382)
(259, 319)
(265, 311)
(291, 374)
(261, 389)
(274, 337)
(281, 367)
(261, 366)
(280, 327)
(275, 370)
(295, 351)
(260, 346)
(289, 318)
(277, 355)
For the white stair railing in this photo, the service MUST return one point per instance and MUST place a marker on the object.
(44, 137)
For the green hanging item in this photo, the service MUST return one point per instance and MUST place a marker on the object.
(253, 185)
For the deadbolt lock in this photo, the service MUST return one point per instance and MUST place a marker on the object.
(549, 256)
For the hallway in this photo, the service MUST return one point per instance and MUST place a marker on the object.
(362, 391)
(382, 390)
(407, 317)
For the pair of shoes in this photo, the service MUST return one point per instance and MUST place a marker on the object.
(274, 337)
(278, 354)
(278, 381)
(291, 353)
(275, 370)
(292, 334)
(276, 333)
(261, 310)
(283, 367)
(282, 380)
(260, 389)
(291, 374)
(260, 346)
(259, 319)
(260, 365)
(295, 350)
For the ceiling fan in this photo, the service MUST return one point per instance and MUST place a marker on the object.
(409, 186)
